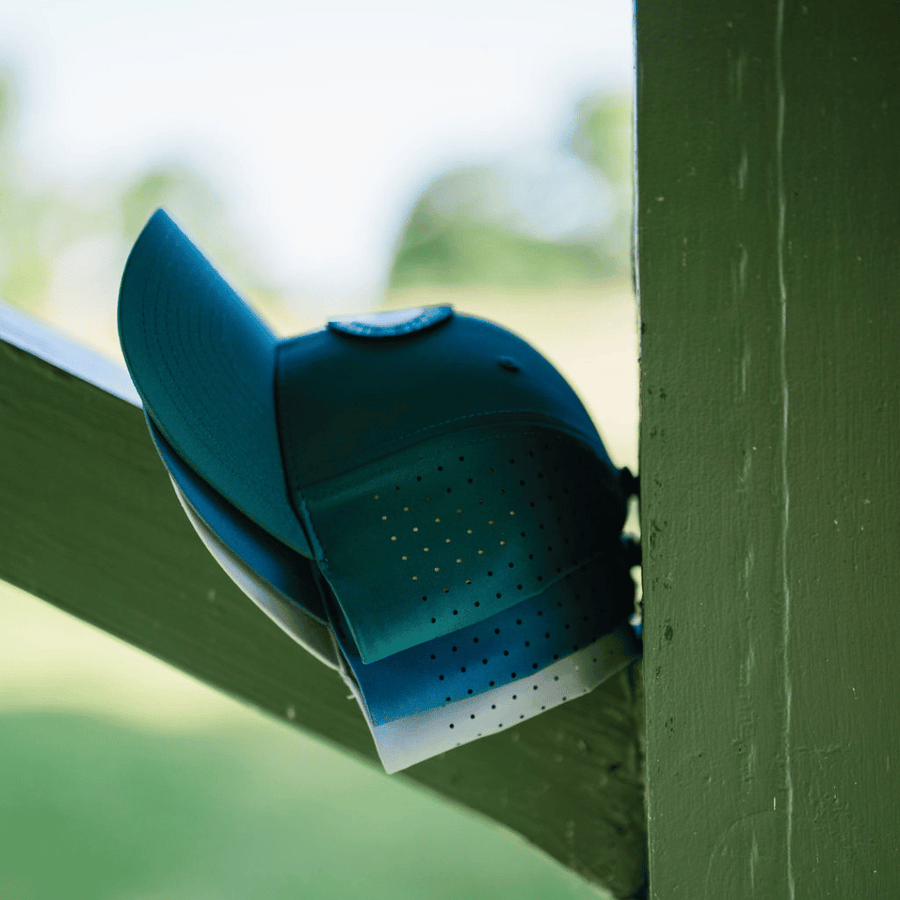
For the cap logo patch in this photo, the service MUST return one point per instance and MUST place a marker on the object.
(391, 324)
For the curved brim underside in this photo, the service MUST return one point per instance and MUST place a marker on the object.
(204, 365)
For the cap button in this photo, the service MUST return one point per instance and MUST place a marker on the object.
(508, 363)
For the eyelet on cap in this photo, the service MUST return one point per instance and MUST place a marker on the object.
(391, 324)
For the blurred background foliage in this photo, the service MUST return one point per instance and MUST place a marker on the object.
(544, 220)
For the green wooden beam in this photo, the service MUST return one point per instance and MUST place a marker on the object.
(768, 236)
(90, 523)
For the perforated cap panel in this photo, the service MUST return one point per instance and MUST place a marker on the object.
(508, 647)
(404, 742)
(450, 533)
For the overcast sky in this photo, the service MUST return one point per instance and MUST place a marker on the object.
(318, 122)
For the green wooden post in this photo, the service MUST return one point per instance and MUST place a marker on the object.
(768, 273)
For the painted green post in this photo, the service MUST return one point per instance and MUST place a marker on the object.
(768, 236)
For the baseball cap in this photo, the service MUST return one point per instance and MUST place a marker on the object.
(418, 498)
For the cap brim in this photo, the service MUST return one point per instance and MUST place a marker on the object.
(204, 366)
(268, 571)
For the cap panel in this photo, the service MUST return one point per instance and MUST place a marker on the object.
(508, 647)
(447, 534)
(204, 366)
(407, 741)
(345, 400)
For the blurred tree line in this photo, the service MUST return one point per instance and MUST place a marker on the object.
(557, 217)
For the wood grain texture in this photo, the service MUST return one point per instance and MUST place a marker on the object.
(90, 523)
(768, 273)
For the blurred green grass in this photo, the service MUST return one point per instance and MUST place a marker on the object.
(95, 809)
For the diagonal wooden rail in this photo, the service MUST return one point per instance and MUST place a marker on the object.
(90, 524)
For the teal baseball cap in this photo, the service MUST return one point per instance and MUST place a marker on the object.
(396, 491)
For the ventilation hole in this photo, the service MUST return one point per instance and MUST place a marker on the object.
(455, 612)
(470, 691)
(496, 631)
(564, 699)
(556, 677)
(556, 656)
(440, 677)
(499, 596)
(513, 675)
(546, 634)
(521, 534)
(440, 468)
(515, 696)
(462, 459)
(433, 621)
(543, 708)
(522, 483)
(484, 662)
(502, 491)
(518, 621)
(511, 565)
(491, 684)
(462, 668)
(449, 490)
(522, 717)
(478, 603)
(506, 652)
(453, 649)
(527, 643)
(472, 716)
(534, 666)
(531, 556)
(448, 699)
(489, 573)
(470, 480)
(493, 706)
(512, 462)
(519, 587)
(474, 640)
(418, 477)
(433, 656)
(540, 578)
(451, 724)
